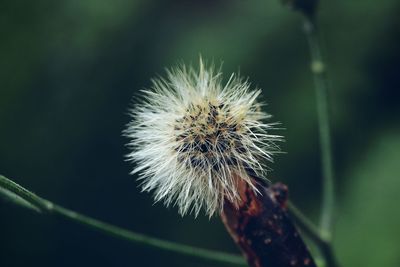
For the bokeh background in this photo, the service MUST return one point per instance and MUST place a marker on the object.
(69, 70)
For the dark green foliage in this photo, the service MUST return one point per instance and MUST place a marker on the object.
(68, 70)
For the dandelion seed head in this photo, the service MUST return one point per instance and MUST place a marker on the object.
(192, 137)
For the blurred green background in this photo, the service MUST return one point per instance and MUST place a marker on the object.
(69, 70)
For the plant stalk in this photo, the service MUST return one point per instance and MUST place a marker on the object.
(45, 206)
(321, 94)
(320, 238)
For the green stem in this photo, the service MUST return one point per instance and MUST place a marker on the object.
(320, 238)
(321, 93)
(309, 228)
(46, 206)
(328, 190)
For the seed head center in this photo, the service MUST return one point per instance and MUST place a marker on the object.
(208, 132)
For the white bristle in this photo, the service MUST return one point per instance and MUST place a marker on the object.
(192, 137)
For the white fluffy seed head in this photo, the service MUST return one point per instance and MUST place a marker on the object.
(193, 137)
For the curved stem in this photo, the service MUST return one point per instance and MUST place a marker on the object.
(43, 205)
(321, 94)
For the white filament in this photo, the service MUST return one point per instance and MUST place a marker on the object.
(192, 137)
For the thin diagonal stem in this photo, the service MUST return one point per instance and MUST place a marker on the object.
(321, 94)
(320, 238)
(309, 228)
(46, 206)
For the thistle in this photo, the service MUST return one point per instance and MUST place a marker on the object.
(193, 138)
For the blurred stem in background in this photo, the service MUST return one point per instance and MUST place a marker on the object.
(321, 94)
(23, 197)
(309, 9)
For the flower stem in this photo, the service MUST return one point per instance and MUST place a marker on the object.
(309, 228)
(321, 93)
(16, 193)
(320, 238)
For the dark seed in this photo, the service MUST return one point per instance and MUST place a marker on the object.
(204, 148)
